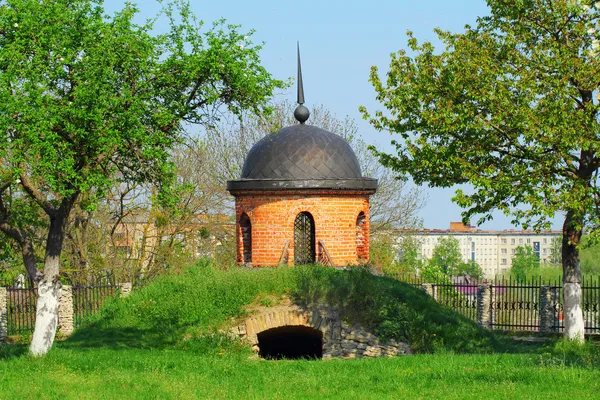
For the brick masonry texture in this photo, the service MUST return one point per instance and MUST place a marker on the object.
(272, 215)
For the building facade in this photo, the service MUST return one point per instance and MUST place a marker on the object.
(492, 250)
(301, 199)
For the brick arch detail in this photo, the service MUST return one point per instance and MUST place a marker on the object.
(339, 338)
(290, 220)
(254, 325)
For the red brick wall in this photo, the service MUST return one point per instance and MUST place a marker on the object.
(272, 215)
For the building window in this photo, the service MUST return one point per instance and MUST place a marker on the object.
(528, 241)
(362, 252)
(245, 233)
(503, 251)
(503, 261)
(503, 240)
(545, 241)
(304, 239)
(512, 241)
(512, 251)
(520, 241)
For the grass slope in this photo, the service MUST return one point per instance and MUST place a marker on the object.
(201, 299)
(160, 343)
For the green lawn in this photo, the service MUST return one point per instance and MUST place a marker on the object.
(158, 344)
(184, 374)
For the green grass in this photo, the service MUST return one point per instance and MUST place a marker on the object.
(161, 343)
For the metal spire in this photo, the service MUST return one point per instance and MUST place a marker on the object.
(300, 86)
(301, 113)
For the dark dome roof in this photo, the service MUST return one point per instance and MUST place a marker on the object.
(301, 152)
(302, 156)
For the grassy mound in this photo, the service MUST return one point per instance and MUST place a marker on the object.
(186, 309)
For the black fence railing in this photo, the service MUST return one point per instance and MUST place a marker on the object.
(21, 303)
(515, 305)
(88, 300)
(20, 310)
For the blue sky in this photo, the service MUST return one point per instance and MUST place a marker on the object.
(340, 41)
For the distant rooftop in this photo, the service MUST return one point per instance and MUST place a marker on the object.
(460, 228)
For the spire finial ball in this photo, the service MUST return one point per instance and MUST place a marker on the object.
(301, 113)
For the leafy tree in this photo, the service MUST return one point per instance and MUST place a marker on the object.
(524, 263)
(509, 108)
(446, 256)
(556, 250)
(89, 102)
(408, 254)
(382, 252)
(471, 268)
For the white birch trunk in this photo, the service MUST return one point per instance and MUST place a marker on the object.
(572, 312)
(46, 317)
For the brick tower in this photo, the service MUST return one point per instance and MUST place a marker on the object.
(302, 198)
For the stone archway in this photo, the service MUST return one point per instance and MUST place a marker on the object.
(339, 339)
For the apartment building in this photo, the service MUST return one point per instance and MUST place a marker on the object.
(493, 250)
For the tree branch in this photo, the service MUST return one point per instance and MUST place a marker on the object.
(34, 192)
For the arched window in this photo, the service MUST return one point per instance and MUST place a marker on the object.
(304, 239)
(362, 251)
(246, 239)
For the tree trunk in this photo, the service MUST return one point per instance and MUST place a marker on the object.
(28, 255)
(46, 316)
(572, 312)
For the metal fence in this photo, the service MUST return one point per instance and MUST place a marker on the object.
(21, 303)
(516, 305)
(20, 310)
(88, 300)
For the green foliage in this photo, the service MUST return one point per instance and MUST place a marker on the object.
(193, 372)
(446, 255)
(409, 257)
(199, 300)
(91, 101)
(525, 263)
(509, 106)
(570, 353)
(382, 253)
(471, 268)
(447, 260)
(590, 258)
(393, 310)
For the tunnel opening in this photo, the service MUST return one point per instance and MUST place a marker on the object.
(290, 343)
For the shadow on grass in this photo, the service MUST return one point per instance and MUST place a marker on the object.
(10, 351)
(117, 338)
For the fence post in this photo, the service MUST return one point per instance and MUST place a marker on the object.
(430, 290)
(124, 288)
(3, 314)
(548, 302)
(65, 311)
(485, 312)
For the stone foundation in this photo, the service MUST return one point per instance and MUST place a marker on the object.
(3, 315)
(65, 311)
